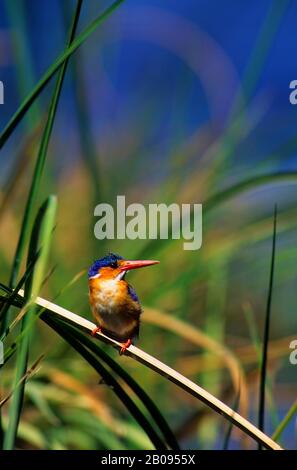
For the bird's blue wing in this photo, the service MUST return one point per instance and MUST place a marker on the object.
(132, 293)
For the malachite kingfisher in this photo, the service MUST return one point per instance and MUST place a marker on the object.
(113, 301)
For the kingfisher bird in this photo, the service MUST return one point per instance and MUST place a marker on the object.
(113, 301)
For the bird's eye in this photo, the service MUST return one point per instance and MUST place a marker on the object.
(114, 265)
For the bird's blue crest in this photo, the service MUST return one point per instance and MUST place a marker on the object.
(102, 263)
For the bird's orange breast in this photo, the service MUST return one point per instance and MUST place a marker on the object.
(108, 292)
(112, 306)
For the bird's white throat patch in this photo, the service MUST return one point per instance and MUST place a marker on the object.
(107, 296)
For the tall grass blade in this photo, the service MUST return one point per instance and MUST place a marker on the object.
(5, 306)
(284, 423)
(32, 370)
(35, 184)
(70, 336)
(140, 393)
(256, 340)
(26, 104)
(87, 141)
(16, 13)
(263, 370)
(217, 199)
(161, 368)
(40, 239)
(230, 425)
(233, 133)
(247, 185)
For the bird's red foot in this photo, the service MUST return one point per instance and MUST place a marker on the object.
(125, 346)
(96, 330)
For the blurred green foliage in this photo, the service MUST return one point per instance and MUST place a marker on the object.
(64, 405)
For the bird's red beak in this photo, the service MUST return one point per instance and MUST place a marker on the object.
(127, 265)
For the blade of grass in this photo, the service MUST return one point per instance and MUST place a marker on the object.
(108, 378)
(134, 386)
(214, 327)
(263, 370)
(24, 75)
(5, 306)
(283, 424)
(35, 184)
(26, 104)
(3, 310)
(232, 134)
(23, 58)
(141, 394)
(256, 340)
(213, 201)
(32, 370)
(230, 425)
(195, 336)
(19, 167)
(162, 369)
(247, 185)
(30, 434)
(275, 14)
(88, 144)
(89, 148)
(98, 430)
(40, 240)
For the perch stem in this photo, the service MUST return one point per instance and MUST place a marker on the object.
(166, 371)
